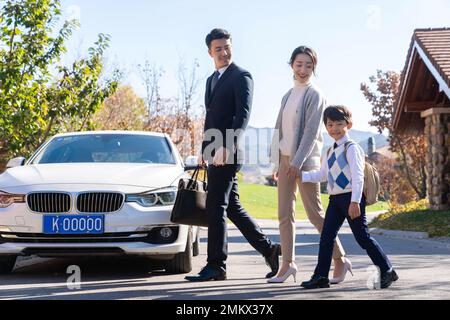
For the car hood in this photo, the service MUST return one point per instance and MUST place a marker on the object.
(94, 176)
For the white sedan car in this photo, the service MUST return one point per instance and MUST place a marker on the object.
(95, 193)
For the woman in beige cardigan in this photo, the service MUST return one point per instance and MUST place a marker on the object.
(296, 146)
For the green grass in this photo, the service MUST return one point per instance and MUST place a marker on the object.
(415, 216)
(261, 202)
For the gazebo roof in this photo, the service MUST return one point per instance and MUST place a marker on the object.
(425, 80)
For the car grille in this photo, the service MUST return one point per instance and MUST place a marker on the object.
(47, 202)
(95, 202)
(89, 202)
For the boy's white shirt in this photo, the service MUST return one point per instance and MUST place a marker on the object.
(356, 161)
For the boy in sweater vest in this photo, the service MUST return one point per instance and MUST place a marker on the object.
(343, 169)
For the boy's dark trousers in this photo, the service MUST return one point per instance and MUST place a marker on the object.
(336, 213)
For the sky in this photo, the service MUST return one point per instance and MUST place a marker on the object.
(352, 38)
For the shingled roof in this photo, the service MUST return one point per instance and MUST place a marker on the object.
(436, 45)
(425, 80)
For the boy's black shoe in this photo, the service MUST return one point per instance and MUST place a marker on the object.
(316, 282)
(387, 278)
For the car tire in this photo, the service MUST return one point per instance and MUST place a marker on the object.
(182, 262)
(196, 245)
(7, 264)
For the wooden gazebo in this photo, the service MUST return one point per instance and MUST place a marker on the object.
(423, 104)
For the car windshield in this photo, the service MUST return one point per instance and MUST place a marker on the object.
(120, 148)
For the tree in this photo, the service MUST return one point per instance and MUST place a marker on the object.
(123, 110)
(187, 120)
(160, 110)
(411, 149)
(35, 104)
(177, 117)
(150, 75)
(394, 185)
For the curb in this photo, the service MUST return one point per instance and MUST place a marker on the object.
(400, 233)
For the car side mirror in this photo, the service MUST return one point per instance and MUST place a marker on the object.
(191, 161)
(15, 162)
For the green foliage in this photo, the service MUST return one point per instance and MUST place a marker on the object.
(414, 216)
(33, 105)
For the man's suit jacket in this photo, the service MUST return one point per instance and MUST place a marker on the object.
(228, 106)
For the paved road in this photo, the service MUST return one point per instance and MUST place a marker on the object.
(423, 267)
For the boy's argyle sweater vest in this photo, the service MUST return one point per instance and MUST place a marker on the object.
(339, 176)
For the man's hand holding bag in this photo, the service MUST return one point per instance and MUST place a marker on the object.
(190, 203)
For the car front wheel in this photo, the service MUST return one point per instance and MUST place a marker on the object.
(182, 262)
(196, 245)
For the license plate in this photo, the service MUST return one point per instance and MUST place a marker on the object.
(71, 224)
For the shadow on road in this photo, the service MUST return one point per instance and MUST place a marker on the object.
(106, 278)
(308, 244)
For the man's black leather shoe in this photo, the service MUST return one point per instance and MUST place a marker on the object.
(387, 278)
(272, 260)
(209, 273)
(316, 282)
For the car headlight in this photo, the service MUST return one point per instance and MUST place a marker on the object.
(161, 197)
(6, 199)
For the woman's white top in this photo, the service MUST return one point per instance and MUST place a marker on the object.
(290, 117)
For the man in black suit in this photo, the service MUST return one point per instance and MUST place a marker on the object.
(228, 101)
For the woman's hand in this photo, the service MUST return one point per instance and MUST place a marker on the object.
(354, 210)
(293, 172)
(275, 176)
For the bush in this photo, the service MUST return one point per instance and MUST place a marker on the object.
(415, 216)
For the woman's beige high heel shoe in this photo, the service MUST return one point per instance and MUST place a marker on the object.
(347, 267)
(291, 271)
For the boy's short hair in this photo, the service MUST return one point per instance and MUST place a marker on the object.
(337, 113)
(216, 34)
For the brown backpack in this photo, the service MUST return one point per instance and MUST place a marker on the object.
(372, 185)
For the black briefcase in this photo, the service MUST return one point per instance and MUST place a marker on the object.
(190, 203)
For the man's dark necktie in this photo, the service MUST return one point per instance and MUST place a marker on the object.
(335, 145)
(214, 80)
